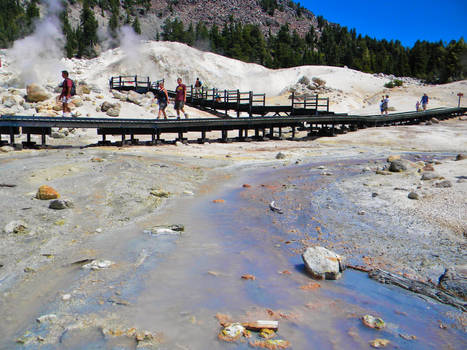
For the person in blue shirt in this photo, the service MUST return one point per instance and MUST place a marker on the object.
(424, 101)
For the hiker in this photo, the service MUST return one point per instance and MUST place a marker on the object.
(417, 106)
(381, 105)
(162, 100)
(180, 98)
(198, 85)
(386, 104)
(424, 101)
(65, 96)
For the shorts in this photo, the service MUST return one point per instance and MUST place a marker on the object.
(162, 105)
(64, 99)
(424, 105)
(179, 105)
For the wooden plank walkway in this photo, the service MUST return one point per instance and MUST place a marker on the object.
(263, 127)
(223, 103)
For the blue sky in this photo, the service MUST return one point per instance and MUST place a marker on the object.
(406, 21)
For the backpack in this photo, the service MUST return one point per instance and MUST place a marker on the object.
(73, 88)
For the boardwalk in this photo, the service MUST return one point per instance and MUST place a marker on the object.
(252, 119)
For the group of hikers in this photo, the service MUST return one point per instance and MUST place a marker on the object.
(420, 105)
(180, 97)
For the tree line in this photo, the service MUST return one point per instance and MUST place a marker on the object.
(328, 44)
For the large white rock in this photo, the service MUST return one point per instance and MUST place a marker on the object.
(35, 93)
(322, 263)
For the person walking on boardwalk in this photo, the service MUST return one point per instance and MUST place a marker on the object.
(424, 101)
(386, 104)
(180, 98)
(198, 85)
(162, 100)
(381, 105)
(65, 96)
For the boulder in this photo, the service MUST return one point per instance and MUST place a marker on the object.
(16, 226)
(443, 184)
(83, 89)
(430, 176)
(461, 156)
(6, 149)
(454, 280)
(434, 120)
(9, 101)
(59, 204)
(134, 97)
(280, 155)
(35, 93)
(322, 263)
(120, 96)
(46, 192)
(413, 195)
(77, 101)
(392, 158)
(398, 165)
(105, 106)
(113, 112)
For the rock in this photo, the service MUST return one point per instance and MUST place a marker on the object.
(175, 229)
(9, 101)
(66, 297)
(374, 194)
(83, 89)
(413, 195)
(383, 172)
(59, 204)
(430, 176)
(361, 212)
(98, 265)
(134, 97)
(248, 277)
(160, 193)
(120, 96)
(443, 184)
(188, 193)
(280, 155)
(47, 318)
(16, 226)
(232, 332)
(77, 101)
(6, 149)
(461, 156)
(105, 106)
(322, 263)
(379, 343)
(46, 192)
(434, 120)
(373, 322)
(398, 165)
(428, 167)
(392, 158)
(428, 122)
(35, 93)
(113, 112)
(454, 280)
(57, 135)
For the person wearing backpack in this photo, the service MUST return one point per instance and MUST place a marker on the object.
(198, 85)
(67, 92)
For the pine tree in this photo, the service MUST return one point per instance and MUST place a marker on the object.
(87, 32)
(136, 27)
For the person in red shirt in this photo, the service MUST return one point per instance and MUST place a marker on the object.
(180, 98)
(65, 96)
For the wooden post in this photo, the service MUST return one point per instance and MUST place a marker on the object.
(119, 81)
(250, 104)
(293, 99)
(43, 139)
(327, 105)
(12, 136)
(136, 82)
(191, 93)
(149, 85)
(226, 100)
(238, 103)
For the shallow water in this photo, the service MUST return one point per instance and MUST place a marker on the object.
(175, 285)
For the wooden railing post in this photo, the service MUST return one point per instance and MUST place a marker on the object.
(250, 104)
(238, 103)
(191, 93)
(136, 82)
(293, 101)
